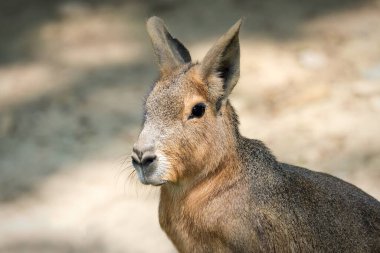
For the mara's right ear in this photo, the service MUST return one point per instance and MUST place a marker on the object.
(170, 52)
(223, 60)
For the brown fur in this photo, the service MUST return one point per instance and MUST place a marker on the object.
(222, 192)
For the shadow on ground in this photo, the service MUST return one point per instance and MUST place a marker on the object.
(20, 20)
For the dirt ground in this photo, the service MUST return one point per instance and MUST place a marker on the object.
(72, 78)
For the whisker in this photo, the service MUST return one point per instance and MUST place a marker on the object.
(131, 180)
(124, 167)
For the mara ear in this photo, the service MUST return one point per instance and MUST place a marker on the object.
(170, 52)
(223, 59)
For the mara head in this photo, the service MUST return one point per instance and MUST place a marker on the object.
(189, 125)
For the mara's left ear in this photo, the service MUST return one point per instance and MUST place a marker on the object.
(223, 59)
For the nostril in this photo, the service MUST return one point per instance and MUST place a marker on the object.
(135, 161)
(147, 160)
(138, 153)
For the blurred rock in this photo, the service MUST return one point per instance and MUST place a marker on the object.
(312, 59)
(372, 73)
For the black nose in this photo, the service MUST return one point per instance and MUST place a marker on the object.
(143, 158)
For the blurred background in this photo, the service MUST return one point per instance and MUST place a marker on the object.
(72, 78)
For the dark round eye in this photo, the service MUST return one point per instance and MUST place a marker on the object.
(198, 110)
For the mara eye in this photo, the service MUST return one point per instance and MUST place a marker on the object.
(198, 110)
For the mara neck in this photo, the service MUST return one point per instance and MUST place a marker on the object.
(205, 184)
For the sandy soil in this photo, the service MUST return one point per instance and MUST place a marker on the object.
(72, 78)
